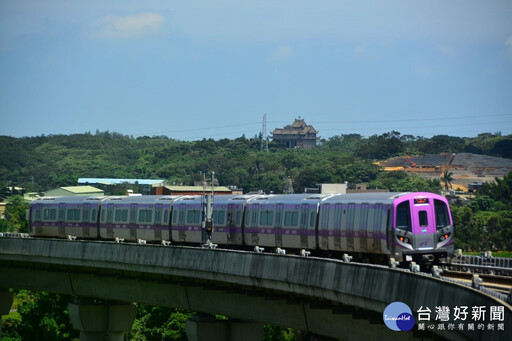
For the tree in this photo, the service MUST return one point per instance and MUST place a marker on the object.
(15, 215)
(447, 178)
(43, 316)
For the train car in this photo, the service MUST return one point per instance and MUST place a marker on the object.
(136, 217)
(186, 222)
(227, 217)
(422, 227)
(398, 225)
(282, 221)
(62, 217)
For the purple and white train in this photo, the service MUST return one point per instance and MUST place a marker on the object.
(405, 226)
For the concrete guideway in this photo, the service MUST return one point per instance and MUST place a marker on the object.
(326, 297)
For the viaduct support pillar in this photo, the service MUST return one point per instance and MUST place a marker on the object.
(101, 321)
(6, 298)
(207, 328)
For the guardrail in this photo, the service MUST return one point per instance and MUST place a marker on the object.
(485, 259)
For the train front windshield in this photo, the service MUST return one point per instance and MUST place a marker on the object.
(403, 217)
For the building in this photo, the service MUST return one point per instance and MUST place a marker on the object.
(189, 190)
(3, 208)
(296, 135)
(118, 185)
(328, 189)
(106, 181)
(75, 190)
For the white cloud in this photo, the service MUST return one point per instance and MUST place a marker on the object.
(111, 26)
(281, 54)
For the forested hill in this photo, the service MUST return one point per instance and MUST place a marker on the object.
(45, 162)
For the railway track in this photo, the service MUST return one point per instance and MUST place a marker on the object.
(499, 283)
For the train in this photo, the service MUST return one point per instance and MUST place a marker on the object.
(408, 226)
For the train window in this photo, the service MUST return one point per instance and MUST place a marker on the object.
(193, 216)
(295, 218)
(238, 217)
(442, 217)
(94, 214)
(291, 218)
(312, 219)
(121, 215)
(403, 216)
(73, 214)
(221, 217)
(363, 220)
(145, 216)
(158, 215)
(247, 218)
(263, 218)
(351, 215)
(287, 218)
(423, 218)
(53, 214)
(102, 215)
(166, 216)
(218, 217)
(266, 217)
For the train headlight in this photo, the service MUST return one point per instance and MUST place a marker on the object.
(444, 237)
(404, 239)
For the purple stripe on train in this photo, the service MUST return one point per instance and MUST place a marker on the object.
(134, 227)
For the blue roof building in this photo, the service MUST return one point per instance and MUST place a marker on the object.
(105, 181)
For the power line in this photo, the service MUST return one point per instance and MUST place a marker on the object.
(254, 124)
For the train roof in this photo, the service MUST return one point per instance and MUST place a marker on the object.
(142, 199)
(301, 198)
(67, 199)
(379, 197)
(218, 199)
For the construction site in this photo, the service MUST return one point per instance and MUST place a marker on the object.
(468, 170)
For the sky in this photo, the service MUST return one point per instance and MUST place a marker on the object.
(212, 69)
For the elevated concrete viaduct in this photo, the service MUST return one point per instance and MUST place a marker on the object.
(326, 297)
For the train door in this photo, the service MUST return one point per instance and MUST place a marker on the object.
(159, 210)
(231, 225)
(351, 212)
(423, 227)
(278, 226)
(304, 226)
(86, 215)
(61, 218)
(110, 221)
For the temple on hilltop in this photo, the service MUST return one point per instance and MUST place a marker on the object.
(296, 135)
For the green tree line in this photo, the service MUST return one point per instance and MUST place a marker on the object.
(46, 162)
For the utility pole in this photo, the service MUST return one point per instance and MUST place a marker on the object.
(288, 185)
(264, 136)
(207, 208)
